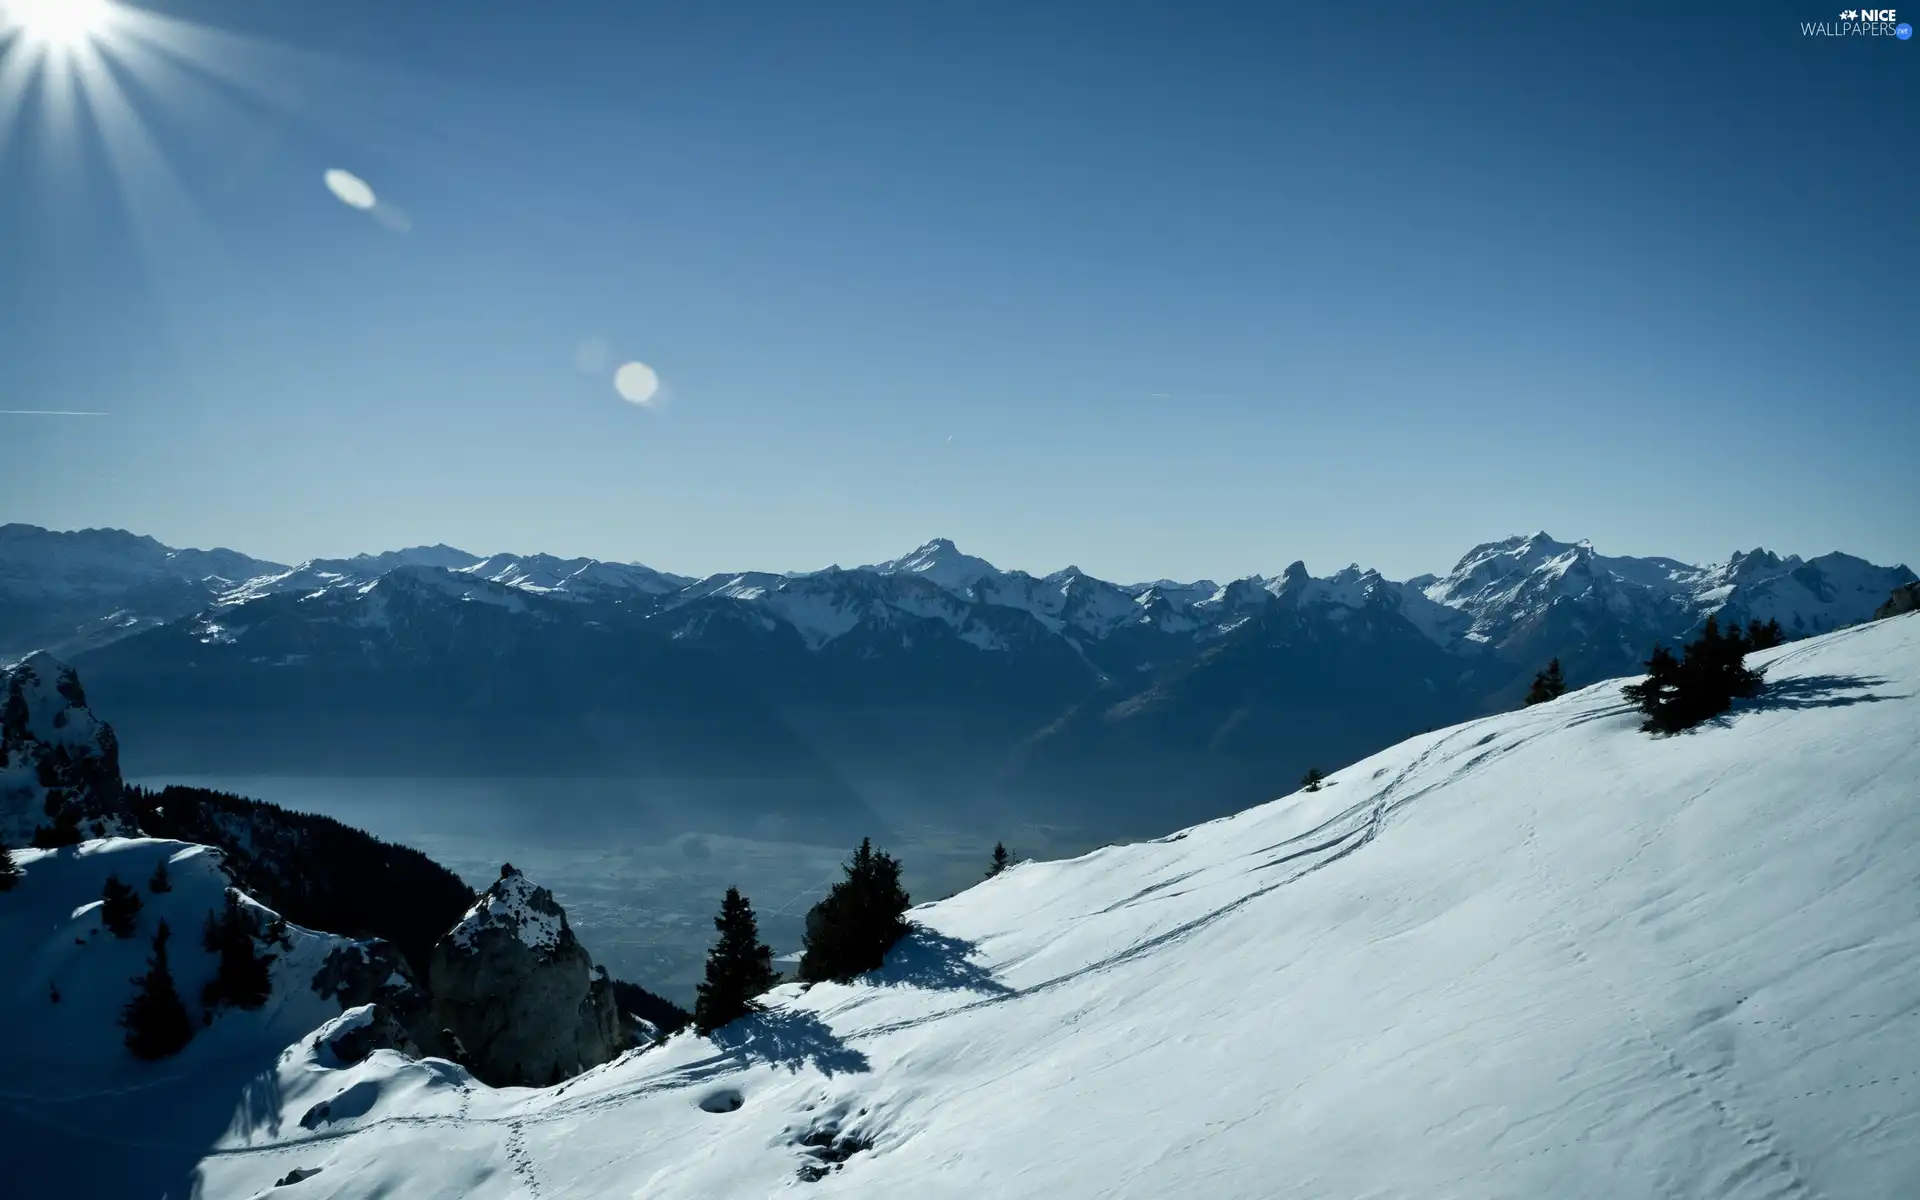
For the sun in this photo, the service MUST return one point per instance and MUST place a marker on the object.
(57, 24)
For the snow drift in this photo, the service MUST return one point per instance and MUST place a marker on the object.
(1540, 954)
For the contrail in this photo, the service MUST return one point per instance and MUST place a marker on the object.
(49, 412)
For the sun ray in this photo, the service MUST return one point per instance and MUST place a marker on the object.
(18, 64)
(172, 237)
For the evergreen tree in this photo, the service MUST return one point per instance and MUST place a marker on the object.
(851, 930)
(1549, 684)
(160, 882)
(1765, 637)
(739, 967)
(65, 830)
(242, 978)
(9, 870)
(1680, 693)
(155, 1019)
(119, 907)
(1001, 860)
(1311, 780)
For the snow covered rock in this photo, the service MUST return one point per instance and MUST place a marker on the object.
(518, 992)
(1538, 954)
(376, 973)
(59, 764)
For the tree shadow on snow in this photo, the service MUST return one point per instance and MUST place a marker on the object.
(927, 958)
(1819, 691)
(791, 1039)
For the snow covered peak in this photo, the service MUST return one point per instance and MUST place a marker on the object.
(942, 563)
(1494, 561)
(42, 699)
(50, 563)
(518, 907)
(54, 753)
(456, 585)
(574, 578)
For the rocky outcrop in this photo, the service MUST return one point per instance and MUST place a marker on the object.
(374, 972)
(1905, 599)
(516, 994)
(59, 764)
(362, 1031)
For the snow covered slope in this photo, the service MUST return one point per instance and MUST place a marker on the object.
(79, 1115)
(1540, 954)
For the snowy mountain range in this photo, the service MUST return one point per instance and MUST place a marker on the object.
(1538, 954)
(935, 670)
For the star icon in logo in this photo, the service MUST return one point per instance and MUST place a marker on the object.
(1848, 15)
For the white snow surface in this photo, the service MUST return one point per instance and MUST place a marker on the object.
(1540, 954)
(514, 903)
(81, 1117)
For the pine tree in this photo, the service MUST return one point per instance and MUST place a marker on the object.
(119, 907)
(160, 882)
(861, 918)
(1656, 695)
(1001, 860)
(241, 979)
(1765, 637)
(9, 870)
(739, 967)
(1680, 693)
(155, 1019)
(1549, 684)
(65, 830)
(1311, 780)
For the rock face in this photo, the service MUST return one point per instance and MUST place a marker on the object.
(1905, 599)
(375, 973)
(59, 764)
(517, 993)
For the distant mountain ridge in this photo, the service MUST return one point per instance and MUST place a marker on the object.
(935, 671)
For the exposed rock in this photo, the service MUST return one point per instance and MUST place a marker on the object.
(1905, 599)
(379, 1030)
(518, 993)
(376, 973)
(59, 764)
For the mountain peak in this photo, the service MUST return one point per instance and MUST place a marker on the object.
(942, 563)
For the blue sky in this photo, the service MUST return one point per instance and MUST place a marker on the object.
(1156, 289)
